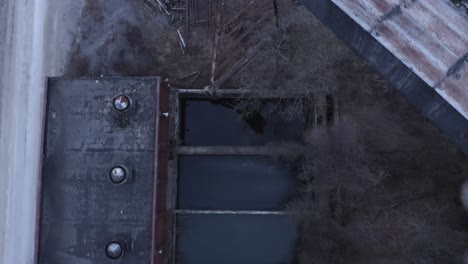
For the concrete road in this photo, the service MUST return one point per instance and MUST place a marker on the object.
(34, 35)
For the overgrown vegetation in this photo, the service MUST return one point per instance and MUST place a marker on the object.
(359, 207)
(380, 183)
(294, 59)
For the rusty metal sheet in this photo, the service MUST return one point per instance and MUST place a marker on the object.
(407, 52)
(450, 15)
(429, 37)
(440, 23)
(82, 210)
(454, 89)
(421, 39)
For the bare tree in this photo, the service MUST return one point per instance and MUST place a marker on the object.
(351, 213)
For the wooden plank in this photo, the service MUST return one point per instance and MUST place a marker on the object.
(216, 41)
(238, 65)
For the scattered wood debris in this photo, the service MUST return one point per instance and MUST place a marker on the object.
(232, 27)
(182, 42)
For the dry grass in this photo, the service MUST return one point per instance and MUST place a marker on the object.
(175, 64)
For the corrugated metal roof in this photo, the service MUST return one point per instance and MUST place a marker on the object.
(430, 37)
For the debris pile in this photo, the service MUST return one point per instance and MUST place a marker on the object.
(230, 25)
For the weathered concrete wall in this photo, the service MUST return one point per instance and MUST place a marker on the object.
(418, 92)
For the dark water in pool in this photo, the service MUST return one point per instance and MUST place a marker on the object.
(235, 183)
(217, 123)
(236, 239)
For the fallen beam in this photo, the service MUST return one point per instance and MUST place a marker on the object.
(231, 212)
(235, 150)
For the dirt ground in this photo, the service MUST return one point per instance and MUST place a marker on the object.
(115, 38)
